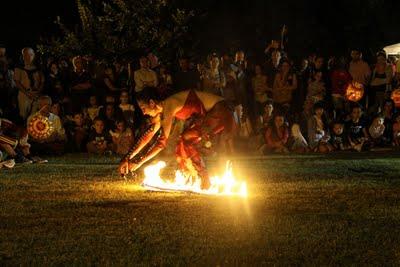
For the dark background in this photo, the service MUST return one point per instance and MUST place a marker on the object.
(328, 27)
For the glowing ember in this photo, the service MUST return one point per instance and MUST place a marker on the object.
(225, 185)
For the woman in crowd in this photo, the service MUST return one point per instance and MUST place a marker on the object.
(277, 135)
(380, 85)
(214, 79)
(260, 89)
(284, 85)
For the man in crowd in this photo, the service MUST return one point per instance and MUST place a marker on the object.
(29, 80)
(358, 68)
(186, 78)
(55, 143)
(145, 77)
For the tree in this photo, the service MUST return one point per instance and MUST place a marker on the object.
(116, 28)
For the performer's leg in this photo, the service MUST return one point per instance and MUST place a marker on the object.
(189, 157)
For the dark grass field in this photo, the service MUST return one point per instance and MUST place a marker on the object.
(315, 210)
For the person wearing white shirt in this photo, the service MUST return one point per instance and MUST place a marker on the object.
(144, 77)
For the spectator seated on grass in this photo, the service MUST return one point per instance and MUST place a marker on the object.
(122, 138)
(338, 141)
(99, 141)
(396, 130)
(276, 136)
(77, 132)
(297, 142)
(376, 132)
(356, 129)
(55, 143)
(14, 143)
(6, 163)
(318, 130)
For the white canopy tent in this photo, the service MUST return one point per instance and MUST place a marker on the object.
(392, 49)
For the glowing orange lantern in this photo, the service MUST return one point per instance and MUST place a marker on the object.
(354, 91)
(396, 97)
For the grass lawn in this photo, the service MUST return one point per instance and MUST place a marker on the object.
(301, 210)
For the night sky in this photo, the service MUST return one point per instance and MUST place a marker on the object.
(325, 26)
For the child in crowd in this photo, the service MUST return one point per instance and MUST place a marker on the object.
(298, 143)
(122, 138)
(356, 129)
(99, 141)
(376, 131)
(93, 110)
(318, 130)
(338, 139)
(396, 130)
(109, 117)
(128, 110)
(77, 133)
(276, 136)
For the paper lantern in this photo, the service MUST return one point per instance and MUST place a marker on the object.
(40, 128)
(396, 97)
(354, 91)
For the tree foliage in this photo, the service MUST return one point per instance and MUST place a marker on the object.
(117, 28)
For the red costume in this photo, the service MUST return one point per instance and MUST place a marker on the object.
(197, 137)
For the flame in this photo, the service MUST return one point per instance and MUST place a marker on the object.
(226, 185)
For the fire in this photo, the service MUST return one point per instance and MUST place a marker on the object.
(226, 185)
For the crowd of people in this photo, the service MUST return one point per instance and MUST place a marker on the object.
(82, 104)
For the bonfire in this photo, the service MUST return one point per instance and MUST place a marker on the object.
(226, 184)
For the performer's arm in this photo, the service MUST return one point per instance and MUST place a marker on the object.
(142, 142)
(159, 145)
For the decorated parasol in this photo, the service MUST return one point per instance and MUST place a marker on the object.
(40, 128)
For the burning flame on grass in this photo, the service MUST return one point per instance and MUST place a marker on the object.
(227, 184)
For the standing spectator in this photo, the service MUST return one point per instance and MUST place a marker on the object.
(242, 83)
(316, 88)
(260, 88)
(54, 84)
(3, 53)
(80, 84)
(276, 136)
(6, 84)
(214, 79)
(110, 82)
(358, 68)
(165, 82)
(284, 85)
(340, 78)
(29, 81)
(145, 77)
(380, 85)
(186, 78)
(272, 67)
(55, 144)
(318, 130)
